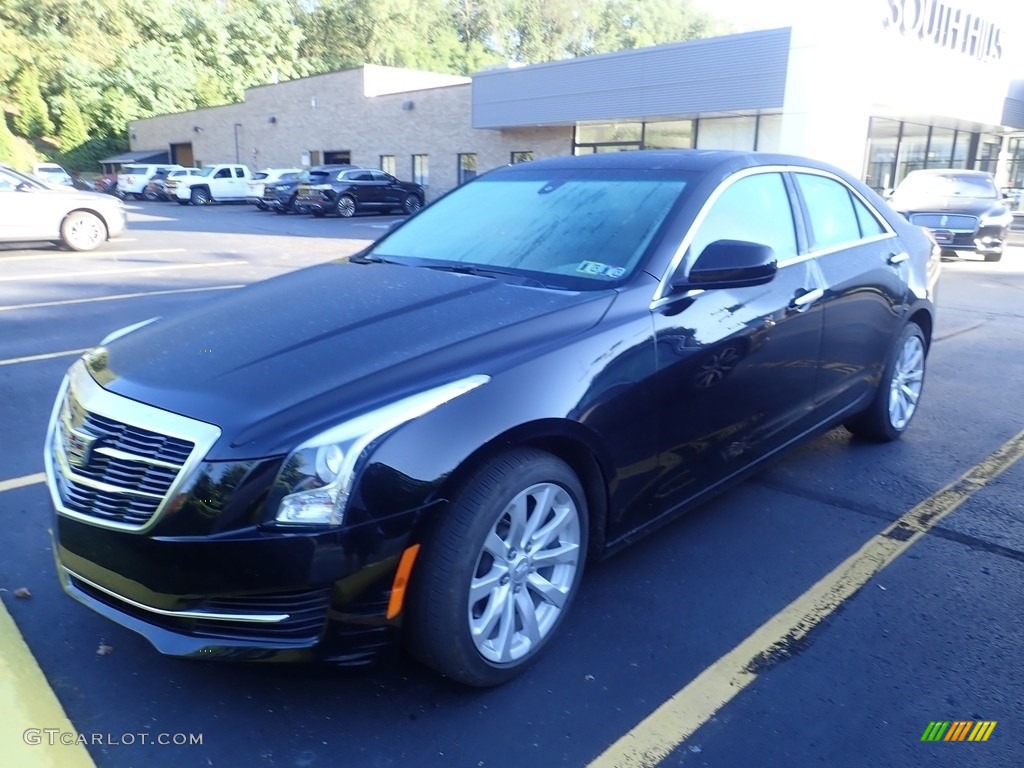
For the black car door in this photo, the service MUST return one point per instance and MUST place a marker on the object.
(736, 367)
(865, 270)
(391, 191)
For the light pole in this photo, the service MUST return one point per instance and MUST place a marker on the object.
(238, 157)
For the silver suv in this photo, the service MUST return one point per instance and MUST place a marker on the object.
(31, 210)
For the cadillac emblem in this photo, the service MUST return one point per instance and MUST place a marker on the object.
(77, 446)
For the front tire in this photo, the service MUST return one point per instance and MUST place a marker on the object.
(899, 390)
(200, 197)
(996, 256)
(83, 231)
(497, 575)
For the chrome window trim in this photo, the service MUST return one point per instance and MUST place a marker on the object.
(252, 618)
(96, 399)
(661, 292)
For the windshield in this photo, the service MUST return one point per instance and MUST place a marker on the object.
(947, 185)
(585, 229)
(205, 171)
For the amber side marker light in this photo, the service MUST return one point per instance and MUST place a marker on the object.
(401, 581)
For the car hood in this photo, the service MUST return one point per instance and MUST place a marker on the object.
(283, 359)
(974, 206)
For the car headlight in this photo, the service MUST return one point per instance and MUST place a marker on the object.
(316, 478)
(996, 220)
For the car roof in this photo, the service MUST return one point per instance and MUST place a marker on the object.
(700, 160)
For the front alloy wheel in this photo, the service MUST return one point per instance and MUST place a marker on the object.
(411, 204)
(499, 572)
(82, 231)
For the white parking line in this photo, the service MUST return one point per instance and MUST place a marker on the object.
(65, 302)
(21, 482)
(47, 356)
(164, 268)
(76, 255)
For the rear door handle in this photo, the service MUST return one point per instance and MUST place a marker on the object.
(898, 258)
(803, 300)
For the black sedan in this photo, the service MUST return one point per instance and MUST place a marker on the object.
(347, 191)
(963, 210)
(430, 440)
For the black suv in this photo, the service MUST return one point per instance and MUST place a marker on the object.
(349, 190)
(280, 196)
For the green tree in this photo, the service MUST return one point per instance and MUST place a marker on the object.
(6, 141)
(33, 121)
(73, 132)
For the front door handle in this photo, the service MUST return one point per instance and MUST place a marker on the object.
(804, 299)
(898, 258)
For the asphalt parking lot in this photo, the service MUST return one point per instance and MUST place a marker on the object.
(691, 648)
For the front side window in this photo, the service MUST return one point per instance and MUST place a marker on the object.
(580, 229)
(754, 209)
(830, 209)
(420, 169)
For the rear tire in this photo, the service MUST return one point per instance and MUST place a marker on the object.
(345, 207)
(899, 391)
(497, 574)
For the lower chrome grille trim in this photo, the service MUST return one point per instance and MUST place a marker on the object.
(252, 618)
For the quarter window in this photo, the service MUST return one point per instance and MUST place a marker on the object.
(755, 209)
(830, 208)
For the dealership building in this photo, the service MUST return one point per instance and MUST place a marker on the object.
(878, 87)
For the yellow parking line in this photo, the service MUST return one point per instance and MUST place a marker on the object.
(47, 356)
(90, 273)
(30, 714)
(679, 717)
(21, 482)
(114, 297)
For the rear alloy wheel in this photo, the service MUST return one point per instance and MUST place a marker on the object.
(83, 231)
(345, 207)
(411, 204)
(497, 575)
(899, 391)
(200, 197)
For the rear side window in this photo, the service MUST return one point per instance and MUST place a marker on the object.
(830, 208)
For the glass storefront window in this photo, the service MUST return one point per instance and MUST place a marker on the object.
(940, 149)
(913, 146)
(669, 134)
(600, 133)
(726, 133)
(960, 149)
(988, 152)
(769, 133)
(883, 140)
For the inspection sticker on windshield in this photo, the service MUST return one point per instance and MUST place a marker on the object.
(597, 268)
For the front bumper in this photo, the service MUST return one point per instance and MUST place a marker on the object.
(985, 239)
(259, 596)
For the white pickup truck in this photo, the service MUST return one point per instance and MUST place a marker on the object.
(214, 183)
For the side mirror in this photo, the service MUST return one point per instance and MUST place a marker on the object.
(730, 264)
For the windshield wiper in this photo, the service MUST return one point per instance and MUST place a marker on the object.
(472, 269)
